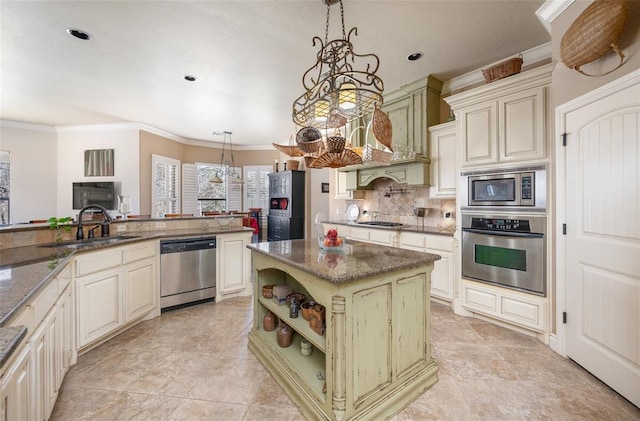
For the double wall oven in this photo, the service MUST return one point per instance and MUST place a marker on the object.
(504, 228)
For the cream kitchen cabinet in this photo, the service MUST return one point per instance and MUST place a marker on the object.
(141, 292)
(233, 279)
(114, 288)
(442, 151)
(376, 236)
(505, 121)
(16, 385)
(443, 275)
(526, 310)
(340, 190)
(31, 386)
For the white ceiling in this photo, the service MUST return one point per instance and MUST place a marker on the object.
(248, 56)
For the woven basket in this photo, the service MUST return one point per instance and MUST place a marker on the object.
(336, 144)
(336, 160)
(594, 33)
(371, 154)
(382, 127)
(309, 139)
(309, 160)
(289, 150)
(503, 69)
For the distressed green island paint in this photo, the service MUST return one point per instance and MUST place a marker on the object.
(375, 356)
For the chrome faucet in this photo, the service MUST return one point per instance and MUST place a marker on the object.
(104, 227)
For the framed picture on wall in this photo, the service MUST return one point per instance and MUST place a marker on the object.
(324, 187)
(98, 162)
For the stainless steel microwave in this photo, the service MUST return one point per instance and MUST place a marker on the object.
(518, 188)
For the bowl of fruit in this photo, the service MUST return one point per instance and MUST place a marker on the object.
(331, 241)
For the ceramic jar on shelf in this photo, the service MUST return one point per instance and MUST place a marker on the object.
(284, 335)
(269, 321)
(306, 348)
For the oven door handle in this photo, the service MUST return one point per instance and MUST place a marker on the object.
(503, 233)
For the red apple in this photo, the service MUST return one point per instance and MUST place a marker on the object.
(332, 233)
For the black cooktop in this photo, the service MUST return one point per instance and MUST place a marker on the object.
(381, 223)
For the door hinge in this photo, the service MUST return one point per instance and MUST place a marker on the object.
(564, 317)
(564, 139)
(564, 229)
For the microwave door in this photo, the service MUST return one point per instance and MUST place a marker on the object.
(494, 190)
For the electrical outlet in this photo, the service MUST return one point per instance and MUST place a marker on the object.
(161, 224)
(121, 227)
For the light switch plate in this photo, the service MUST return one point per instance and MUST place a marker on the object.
(161, 224)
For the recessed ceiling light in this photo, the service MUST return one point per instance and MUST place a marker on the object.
(80, 34)
(190, 78)
(414, 56)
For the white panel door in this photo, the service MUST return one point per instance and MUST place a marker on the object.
(603, 239)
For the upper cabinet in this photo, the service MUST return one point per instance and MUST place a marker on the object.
(442, 147)
(411, 110)
(504, 121)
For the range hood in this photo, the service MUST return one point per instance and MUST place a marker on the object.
(414, 172)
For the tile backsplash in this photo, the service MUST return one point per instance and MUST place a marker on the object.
(395, 202)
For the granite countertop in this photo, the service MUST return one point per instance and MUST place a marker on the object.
(10, 338)
(25, 270)
(356, 261)
(408, 228)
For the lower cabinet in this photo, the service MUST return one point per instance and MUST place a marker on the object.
(30, 386)
(521, 309)
(16, 389)
(233, 279)
(443, 275)
(115, 287)
(99, 306)
(284, 228)
(140, 288)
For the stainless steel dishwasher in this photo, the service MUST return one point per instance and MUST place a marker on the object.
(187, 271)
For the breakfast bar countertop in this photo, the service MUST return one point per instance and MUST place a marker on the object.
(356, 261)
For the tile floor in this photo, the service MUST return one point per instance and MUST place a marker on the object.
(193, 364)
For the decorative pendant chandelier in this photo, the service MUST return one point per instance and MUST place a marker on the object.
(341, 86)
(227, 168)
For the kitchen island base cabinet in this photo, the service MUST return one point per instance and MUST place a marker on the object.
(377, 327)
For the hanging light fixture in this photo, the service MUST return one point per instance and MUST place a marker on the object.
(334, 86)
(227, 168)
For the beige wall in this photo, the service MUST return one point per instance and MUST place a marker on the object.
(568, 84)
(153, 144)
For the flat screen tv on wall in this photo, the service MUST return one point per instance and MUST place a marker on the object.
(94, 193)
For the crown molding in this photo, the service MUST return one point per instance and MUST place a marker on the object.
(97, 127)
(27, 126)
(532, 56)
(129, 126)
(550, 10)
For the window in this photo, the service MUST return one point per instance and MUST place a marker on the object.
(4, 187)
(165, 186)
(212, 196)
(257, 187)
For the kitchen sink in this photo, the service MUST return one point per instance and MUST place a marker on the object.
(99, 241)
(381, 223)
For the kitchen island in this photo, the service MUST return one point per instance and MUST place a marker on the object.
(373, 356)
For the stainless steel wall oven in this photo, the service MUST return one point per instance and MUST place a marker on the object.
(505, 250)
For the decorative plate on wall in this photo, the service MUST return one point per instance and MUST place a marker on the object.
(353, 211)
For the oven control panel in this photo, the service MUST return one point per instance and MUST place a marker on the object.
(501, 224)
